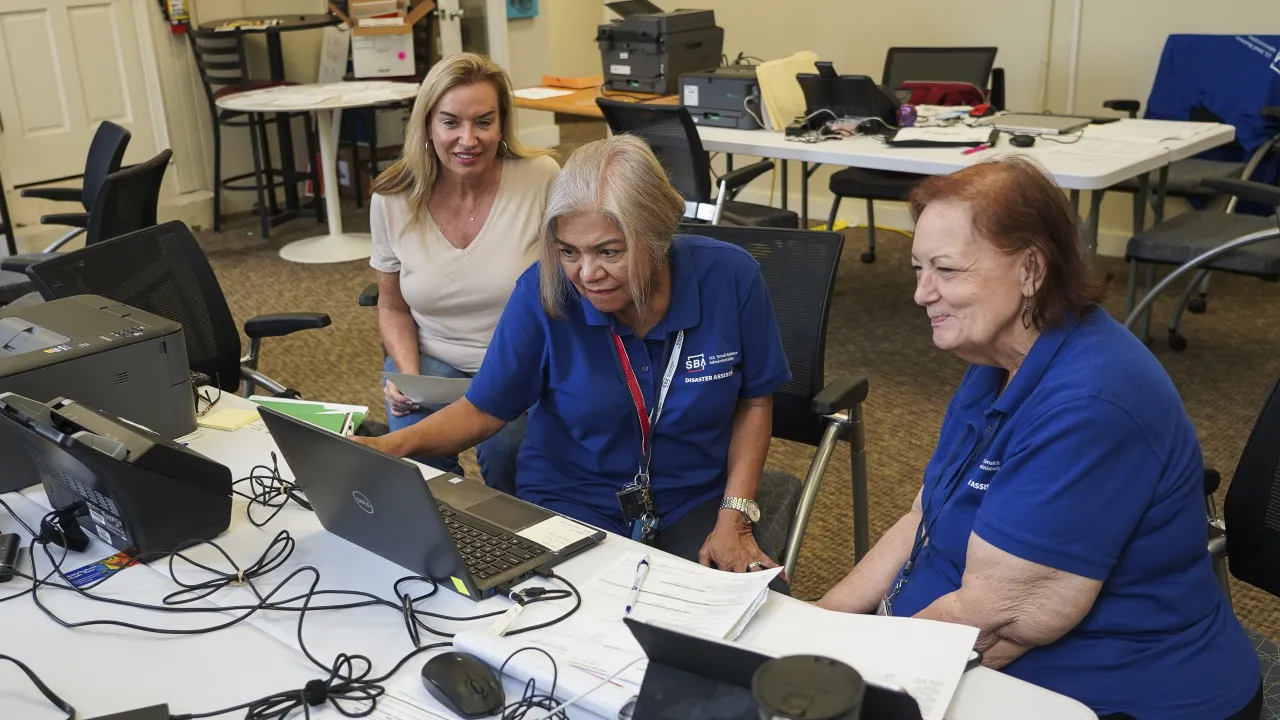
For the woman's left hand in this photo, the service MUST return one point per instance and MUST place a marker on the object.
(731, 547)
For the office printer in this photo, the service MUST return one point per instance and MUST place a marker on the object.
(647, 50)
(128, 362)
(723, 97)
(139, 492)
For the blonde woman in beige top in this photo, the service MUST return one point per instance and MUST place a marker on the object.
(455, 222)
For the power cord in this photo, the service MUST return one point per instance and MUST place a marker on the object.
(49, 694)
(267, 489)
(531, 699)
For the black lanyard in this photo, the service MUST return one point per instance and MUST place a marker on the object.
(648, 420)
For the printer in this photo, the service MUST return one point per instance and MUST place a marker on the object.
(726, 96)
(131, 488)
(647, 50)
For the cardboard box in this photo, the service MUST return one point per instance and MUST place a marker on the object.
(383, 46)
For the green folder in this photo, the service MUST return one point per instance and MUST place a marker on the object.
(333, 417)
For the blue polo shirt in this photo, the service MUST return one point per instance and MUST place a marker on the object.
(1088, 463)
(583, 440)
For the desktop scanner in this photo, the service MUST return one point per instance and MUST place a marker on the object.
(134, 490)
(463, 684)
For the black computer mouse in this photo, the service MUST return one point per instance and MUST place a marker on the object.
(463, 684)
(1022, 141)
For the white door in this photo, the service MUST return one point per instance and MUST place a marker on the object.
(66, 65)
(475, 26)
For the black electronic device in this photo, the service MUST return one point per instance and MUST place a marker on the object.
(10, 543)
(830, 97)
(1022, 141)
(132, 488)
(648, 51)
(155, 712)
(463, 684)
(699, 678)
(723, 97)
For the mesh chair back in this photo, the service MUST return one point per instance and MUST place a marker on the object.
(939, 64)
(221, 61)
(672, 136)
(106, 153)
(799, 269)
(1252, 509)
(161, 270)
(128, 200)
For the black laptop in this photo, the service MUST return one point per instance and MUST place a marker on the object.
(463, 534)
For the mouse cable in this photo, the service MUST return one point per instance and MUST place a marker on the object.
(49, 694)
(267, 489)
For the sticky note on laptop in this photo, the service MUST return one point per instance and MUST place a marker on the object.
(229, 419)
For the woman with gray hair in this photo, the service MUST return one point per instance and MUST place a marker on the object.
(646, 360)
(455, 221)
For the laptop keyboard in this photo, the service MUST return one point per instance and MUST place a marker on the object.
(487, 554)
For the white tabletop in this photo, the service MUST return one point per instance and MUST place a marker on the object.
(103, 670)
(326, 96)
(1095, 162)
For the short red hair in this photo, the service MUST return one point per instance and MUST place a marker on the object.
(1016, 206)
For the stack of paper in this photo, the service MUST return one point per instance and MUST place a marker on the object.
(675, 594)
(1148, 131)
(783, 99)
(333, 417)
(923, 657)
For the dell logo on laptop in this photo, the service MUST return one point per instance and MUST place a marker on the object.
(362, 501)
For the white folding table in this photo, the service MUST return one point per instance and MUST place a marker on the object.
(104, 670)
(327, 101)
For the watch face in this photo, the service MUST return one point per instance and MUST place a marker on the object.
(753, 512)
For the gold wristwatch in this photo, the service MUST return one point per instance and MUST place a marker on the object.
(749, 508)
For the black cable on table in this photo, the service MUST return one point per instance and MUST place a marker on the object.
(49, 694)
(269, 490)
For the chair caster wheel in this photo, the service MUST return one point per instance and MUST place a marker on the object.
(1177, 343)
(868, 257)
(1198, 305)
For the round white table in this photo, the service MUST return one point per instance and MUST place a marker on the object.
(327, 101)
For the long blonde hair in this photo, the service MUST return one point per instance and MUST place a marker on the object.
(416, 171)
(619, 177)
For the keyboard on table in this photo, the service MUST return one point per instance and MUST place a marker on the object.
(487, 554)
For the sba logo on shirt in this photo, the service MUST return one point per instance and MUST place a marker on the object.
(696, 363)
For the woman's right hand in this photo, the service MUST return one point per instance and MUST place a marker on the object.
(400, 405)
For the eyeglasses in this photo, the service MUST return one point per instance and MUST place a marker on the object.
(208, 398)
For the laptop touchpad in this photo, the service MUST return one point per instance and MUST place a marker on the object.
(508, 512)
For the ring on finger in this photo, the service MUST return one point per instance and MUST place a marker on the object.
(754, 564)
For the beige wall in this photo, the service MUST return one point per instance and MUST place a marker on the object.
(1120, 46)
(573, 37)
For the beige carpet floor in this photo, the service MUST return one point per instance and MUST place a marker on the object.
(875, 330)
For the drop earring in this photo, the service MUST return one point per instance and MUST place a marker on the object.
(1026, 313)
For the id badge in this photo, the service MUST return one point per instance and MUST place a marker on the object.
(634, 501)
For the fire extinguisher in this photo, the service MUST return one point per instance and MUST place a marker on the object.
(175, 11)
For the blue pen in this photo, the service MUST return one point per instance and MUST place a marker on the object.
(642, 571)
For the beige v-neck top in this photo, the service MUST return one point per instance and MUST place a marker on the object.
(456, 296)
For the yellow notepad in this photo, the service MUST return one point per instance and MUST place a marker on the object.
(229, 419)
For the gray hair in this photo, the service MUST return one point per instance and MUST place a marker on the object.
(620, 178)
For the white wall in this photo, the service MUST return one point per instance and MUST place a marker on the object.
(1121, 42)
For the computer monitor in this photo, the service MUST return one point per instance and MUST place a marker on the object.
(141, 493)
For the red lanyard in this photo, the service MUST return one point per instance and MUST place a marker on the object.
(647, 420)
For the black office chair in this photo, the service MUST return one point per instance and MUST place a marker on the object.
(224, 70)
(1184, 238)
(671, 133)
(972, 65)
(127, 201)
(162, 270)
(799, 269)
(106, 153)
(1246, 540)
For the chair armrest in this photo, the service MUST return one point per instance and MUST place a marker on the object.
(735, 179)
(369, 296)
(843, 393)
(20, 263)
(80, 220)
(1272, 112)
(1130, 106)
(55, 194)
(1245, 190)
(1212, 479)
(278, 324)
